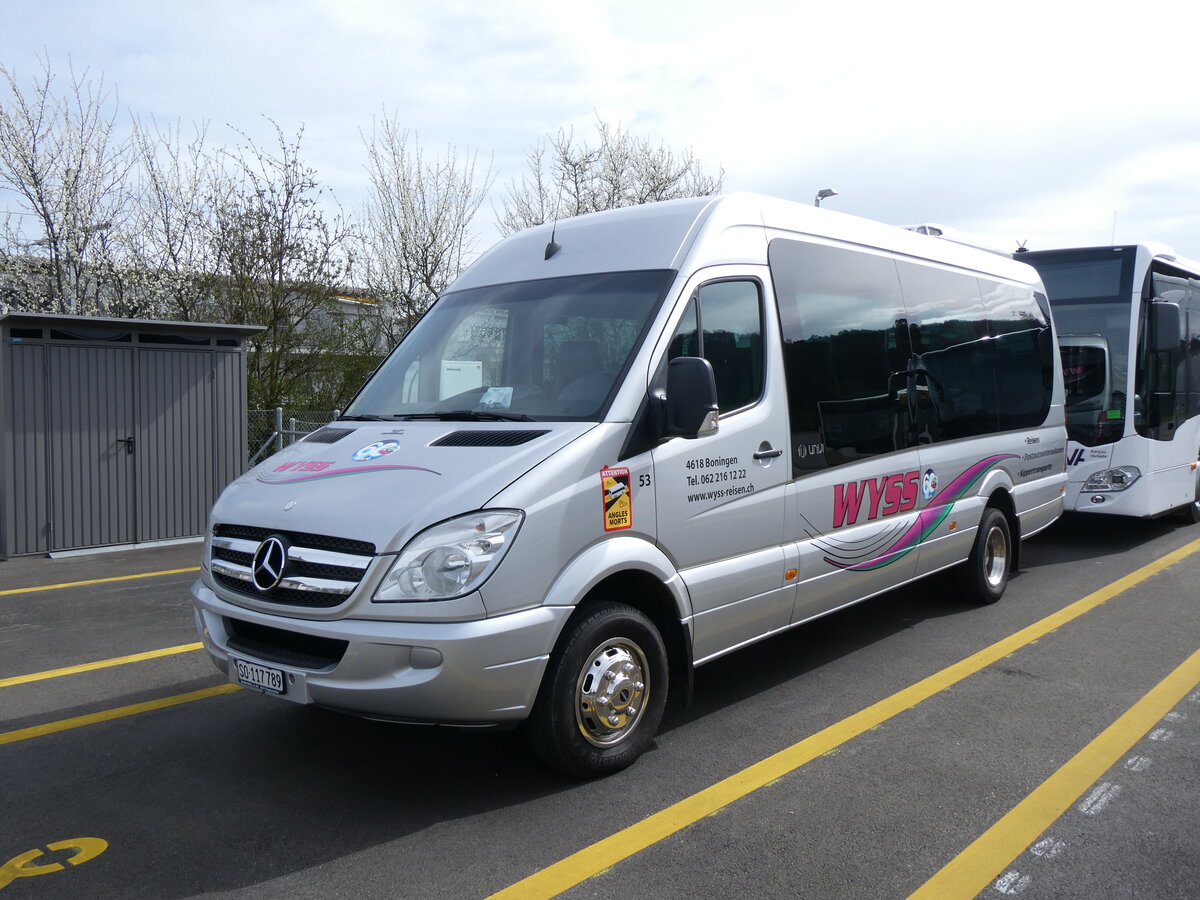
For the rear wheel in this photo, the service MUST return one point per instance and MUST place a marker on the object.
(603, 694)
(984, 576)
(1191, 512)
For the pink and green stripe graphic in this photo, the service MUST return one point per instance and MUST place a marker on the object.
(294, 477)
(929, 518)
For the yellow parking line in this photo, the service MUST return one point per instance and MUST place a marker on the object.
(577, 868)
(107, 715)
(53, 587)
(99, 664)
(973, 870)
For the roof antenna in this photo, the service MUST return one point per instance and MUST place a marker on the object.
(1021, 248)
(553, 247)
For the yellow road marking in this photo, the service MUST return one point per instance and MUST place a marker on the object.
(23, 866)
(67, 584)
(107, 715)
(99, 664)
(578, 867)
(973, 870)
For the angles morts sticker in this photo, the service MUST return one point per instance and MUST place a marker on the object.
(618, 499)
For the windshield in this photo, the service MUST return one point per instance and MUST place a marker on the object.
(550, 349)
(1090, 293)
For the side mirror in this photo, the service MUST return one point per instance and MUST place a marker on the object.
(691, 405)
(1165, 326)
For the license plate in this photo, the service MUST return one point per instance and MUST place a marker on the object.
(262, 678)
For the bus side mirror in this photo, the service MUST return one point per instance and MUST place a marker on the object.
(1165, 326)
(691, 403)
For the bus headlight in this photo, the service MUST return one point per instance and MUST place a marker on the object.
(1117, 479)
(450, 559)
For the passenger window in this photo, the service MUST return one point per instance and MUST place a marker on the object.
(1193, 350)
(723, 323)
(846, 353)
(1024, 358)
(955, 392)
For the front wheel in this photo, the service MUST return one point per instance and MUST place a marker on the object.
(984, 576)
(603, 694)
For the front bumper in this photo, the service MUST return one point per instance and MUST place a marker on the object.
(483, 672)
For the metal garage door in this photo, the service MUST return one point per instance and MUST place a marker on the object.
(89, 456)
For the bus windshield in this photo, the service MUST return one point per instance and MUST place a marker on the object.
(1090, 294)
(551, 349)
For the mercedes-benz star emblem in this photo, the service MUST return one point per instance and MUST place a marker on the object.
(269, 560)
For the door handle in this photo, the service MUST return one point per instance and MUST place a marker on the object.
(768, 454)
(128, 442)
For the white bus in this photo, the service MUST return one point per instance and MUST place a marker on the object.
(1128, 320)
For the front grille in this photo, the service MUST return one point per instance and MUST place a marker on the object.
(304, 651)
(318, 541)
(320, 571)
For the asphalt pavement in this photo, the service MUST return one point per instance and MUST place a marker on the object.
(1047, 746)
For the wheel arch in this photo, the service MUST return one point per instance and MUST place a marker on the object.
(1000, 498)
(636, 573)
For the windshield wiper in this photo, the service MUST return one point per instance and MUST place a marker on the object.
(365, 418)
(467, 415)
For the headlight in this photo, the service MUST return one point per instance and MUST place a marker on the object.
(1117, 479)
(451, 559)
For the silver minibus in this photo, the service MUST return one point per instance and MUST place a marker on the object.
(626, 444)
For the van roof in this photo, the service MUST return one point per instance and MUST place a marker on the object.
(727, 228)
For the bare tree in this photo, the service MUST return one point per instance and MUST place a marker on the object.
(62, 159)
(569, 177)
(282, 262)
(169, 235)
(415, 226)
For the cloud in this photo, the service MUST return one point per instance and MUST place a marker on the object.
(1032, 120)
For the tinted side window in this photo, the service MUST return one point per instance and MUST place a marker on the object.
(1193, 350)
(846, 353)
(723, 323)
(1023, 353)
(1187, 365)
(954, 390)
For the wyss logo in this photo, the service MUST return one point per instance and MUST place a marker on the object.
(1076, 457)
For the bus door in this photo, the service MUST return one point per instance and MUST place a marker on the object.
(720, 498)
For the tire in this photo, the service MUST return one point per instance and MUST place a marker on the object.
(1191, 512)
(612, 658)
(984, 576)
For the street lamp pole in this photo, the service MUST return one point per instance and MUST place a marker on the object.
(824, 194)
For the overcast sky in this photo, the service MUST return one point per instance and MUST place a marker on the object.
(1043, 121)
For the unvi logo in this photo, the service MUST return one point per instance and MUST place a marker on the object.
(929, 484)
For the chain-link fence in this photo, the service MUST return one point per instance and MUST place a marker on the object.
(270, 430)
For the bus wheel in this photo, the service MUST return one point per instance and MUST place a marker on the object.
(603, 693)
(1191, 512)
(984, 576)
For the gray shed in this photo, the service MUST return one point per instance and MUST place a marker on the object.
(115, 431)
